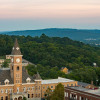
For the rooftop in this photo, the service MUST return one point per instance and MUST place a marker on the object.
(5, 74)
(60, 79)
(83, 84)
(96, 92)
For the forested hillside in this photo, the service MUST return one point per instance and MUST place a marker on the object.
(84, 35)
(52, 53)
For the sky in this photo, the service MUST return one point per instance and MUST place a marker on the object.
(39, 14)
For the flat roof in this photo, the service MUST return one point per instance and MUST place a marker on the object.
(58, 80)
(96, 92)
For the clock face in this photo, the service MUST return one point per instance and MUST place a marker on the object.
(17, 60)
(12, 60)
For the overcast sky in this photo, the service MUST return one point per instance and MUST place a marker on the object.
(36, 14)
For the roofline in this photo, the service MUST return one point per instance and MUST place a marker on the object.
(16, 55)
(7, 85)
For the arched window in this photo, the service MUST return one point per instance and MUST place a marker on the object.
(1, 98)
(12, 67)
(39, 95)
(28, 95)
(32, 95)
(6, 98)
(17, 68)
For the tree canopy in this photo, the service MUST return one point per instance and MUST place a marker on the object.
(50, 54)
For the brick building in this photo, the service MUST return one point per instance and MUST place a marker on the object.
(80, 93)
(15, 83)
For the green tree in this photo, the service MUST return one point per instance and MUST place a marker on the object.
(48, 93)
(5, 64)
(58, 93)
(24, 98)
(32, 69)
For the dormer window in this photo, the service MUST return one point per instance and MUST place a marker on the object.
(28, 80)
(6, 81)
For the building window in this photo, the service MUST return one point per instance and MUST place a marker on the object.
(36, 87)
(6, 91)
(80, 98)
(18, 75)
(70, 95)
(18, 81)
(75, 84)
(39, 87)
(24, 89)
(36, 95)
(39, 95)
(43, 87)
(1, 98)
(65, 94)
(76, 97)
(17, 90)
(6, 98)
(71, 84)
(12, 67)
(52, 90)
(28, 95)
(28, 88)
(32, 88)
(51, 86)
(10, 90)
(32, 95)
(17, 68)
(1, 90)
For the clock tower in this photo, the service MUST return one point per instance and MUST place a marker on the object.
(16, 67)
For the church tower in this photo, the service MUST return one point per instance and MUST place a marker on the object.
(16, 67)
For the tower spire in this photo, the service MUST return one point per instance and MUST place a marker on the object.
(16, 49)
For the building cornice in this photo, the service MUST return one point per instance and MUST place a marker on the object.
(7, 85)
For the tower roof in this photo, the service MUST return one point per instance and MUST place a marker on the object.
(16, 49)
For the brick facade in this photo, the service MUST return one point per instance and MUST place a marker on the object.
(75, 94)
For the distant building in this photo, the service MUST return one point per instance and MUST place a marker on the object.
(8, 56)
(65, 70)
(80, 93)
(1, 61)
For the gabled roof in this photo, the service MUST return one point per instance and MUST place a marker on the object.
(16, 49)
(5, 74)
(25, 75)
